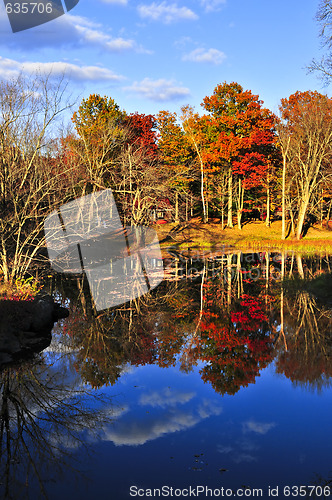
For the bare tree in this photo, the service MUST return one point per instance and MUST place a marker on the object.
(28, 110)
(142, 184)
(306, 140)
(284, 144)
(324, 18)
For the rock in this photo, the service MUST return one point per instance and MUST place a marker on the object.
(5, 358)
(9, 344)
(25, 326)
(43, 312)
(60, 312)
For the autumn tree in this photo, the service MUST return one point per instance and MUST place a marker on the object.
(242, 140)
(143, 178)
(98, 125)
(307, 118)
(117, 150)
(194, 128)
(176, 155)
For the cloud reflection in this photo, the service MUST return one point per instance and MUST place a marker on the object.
(258, 427)
(136, 430)
(165, 398)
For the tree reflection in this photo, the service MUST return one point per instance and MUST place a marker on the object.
(234, 313)
(306, 360)
(106, 343)
(41, 418)
(235, 346)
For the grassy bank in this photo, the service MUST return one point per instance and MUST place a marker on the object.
(254, 236)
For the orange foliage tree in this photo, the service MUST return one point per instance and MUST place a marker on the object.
(241, 142)
(175, 153)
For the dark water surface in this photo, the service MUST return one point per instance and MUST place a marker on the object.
(217, 384)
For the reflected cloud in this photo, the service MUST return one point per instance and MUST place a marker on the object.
(258, 427)
(165, 397)
(244, 457)
(224, 449)
(137, 432)
(243, 450)
(208, 408)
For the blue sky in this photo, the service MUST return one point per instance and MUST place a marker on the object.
(153, 55)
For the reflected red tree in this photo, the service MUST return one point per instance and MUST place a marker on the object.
(235, 347)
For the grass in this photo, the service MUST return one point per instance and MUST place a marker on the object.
(21, 289)
(255, 236)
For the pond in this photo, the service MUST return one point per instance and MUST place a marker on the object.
(216, 384)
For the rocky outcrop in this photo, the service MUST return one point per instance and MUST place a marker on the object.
(25, 326)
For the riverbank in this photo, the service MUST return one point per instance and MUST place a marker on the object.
(254, 236)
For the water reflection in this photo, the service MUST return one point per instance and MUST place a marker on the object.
(306, 331)
(43, 414)
(225, 317)
(232, 315)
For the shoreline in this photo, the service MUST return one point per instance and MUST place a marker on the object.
(255, 236)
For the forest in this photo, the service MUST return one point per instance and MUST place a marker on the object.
(233, 162)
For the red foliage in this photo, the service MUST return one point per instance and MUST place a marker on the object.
(142, 134)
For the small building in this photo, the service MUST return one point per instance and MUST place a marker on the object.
(162, 212)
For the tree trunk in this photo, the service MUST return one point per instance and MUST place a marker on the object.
(207, 209)
(284, 149)
(202, 185)
(268, 205)
(186, 208)
(328, 215)
(240, 204)
(301, 217)
(230, 200)
(176, 206)
(321, 208)
(283, 199)
(222, 213)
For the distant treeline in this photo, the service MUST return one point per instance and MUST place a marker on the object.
(235, 161)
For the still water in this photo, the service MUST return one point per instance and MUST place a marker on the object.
(216, 384)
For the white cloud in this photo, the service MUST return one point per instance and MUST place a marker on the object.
(166, 13)
(258, 427)
(91, 33)
(68, 31)
(99, 38)
(116, 2)
(9, 68)
(200, 55)
(165, 398)
(212, 5)
(158, 90)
